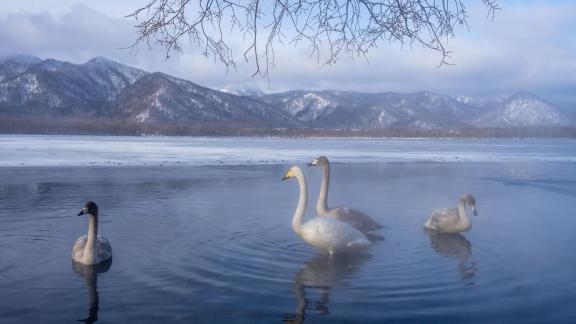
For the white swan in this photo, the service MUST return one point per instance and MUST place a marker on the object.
(356, 218)
(323, 232)
(91, 249)
(452, 220)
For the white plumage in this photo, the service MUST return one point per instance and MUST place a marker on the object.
(323, 232)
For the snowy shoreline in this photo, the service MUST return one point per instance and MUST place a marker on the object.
(61, 150)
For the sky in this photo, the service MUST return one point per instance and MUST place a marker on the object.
(530, 45)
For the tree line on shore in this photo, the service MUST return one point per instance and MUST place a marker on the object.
(14, 124)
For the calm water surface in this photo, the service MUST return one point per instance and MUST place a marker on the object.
(213, 243)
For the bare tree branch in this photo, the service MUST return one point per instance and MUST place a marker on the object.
(329, 27)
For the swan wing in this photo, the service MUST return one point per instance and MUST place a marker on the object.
(355, 218)
(104, 251)
(78, 248)
(332, 234)
(443, 218)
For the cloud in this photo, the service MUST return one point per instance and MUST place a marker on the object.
(76, 35)
(529, 46)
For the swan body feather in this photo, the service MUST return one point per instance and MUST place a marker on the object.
(103, 250)
(353, 217)
(323, 232)
(452, 220)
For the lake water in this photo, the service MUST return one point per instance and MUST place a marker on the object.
(200, 229)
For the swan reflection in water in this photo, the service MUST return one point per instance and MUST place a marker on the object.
(456, 246)
(319, 275)
(90, 274)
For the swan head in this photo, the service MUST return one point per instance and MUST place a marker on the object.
(320, 161)
(90, 207)
(469, 199)
(292, 172)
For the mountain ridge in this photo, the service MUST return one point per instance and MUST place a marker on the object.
(104, 88)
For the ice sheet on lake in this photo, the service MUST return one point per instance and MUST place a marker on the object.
(19, 150)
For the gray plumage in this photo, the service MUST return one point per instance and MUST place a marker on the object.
(355, 218)
(452, 220)
(91, 248)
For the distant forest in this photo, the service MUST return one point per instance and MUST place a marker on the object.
(13, 124)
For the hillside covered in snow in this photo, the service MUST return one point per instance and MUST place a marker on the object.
(106, 92)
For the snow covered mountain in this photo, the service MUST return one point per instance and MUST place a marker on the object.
(54, 88)
(15, 65)
(521, 109)
(341, 109)
(159, 98)
(307, 107)
(106, 89)
(245, 91)
(351, 110)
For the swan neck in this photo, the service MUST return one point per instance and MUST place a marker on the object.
(90, 250)
(302, 201)
(322, 206)
(462, 213)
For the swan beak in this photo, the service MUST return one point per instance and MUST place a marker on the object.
(288, 175)
(81, 213)
(474, 210)
(313, 163)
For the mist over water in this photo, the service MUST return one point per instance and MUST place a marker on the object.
(202, 242)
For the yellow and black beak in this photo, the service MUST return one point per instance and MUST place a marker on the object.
(288, 175)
